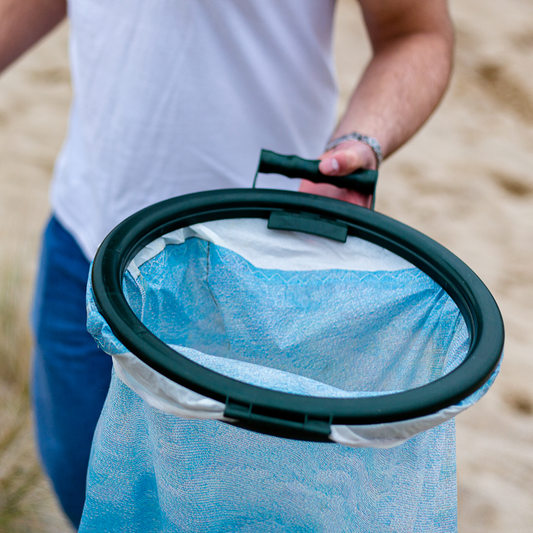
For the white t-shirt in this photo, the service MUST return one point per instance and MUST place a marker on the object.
(178, 96)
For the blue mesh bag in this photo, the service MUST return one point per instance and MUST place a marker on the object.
(282, 362)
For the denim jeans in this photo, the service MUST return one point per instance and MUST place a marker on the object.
(70, 375)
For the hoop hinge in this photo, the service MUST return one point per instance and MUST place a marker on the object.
(274, 422)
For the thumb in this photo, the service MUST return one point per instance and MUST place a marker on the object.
(349, 158)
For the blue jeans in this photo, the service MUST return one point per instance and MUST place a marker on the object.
(70, 374)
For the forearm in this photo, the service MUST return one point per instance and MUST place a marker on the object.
(399, 90)
(412, 44)
(23, 23)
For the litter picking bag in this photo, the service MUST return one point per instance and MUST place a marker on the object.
(322, 341)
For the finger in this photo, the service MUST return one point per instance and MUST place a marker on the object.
(340, 163)
(347, 158)
(346, 195)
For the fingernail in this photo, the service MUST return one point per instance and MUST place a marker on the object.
(334, 164)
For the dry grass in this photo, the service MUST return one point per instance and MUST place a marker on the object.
(19, 470)
(25, 501)
(15, 338)
(20, 476)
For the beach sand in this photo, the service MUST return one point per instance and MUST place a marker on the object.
(465, 180)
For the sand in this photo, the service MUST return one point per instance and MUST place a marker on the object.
(466, 180)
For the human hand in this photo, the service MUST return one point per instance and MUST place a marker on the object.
(340, 161)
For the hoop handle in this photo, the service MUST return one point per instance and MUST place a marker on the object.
(292, 166)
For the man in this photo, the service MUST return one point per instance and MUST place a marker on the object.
(176, 96)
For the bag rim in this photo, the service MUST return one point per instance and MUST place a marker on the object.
(278, 413)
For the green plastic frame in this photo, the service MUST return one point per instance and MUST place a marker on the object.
(277, 413)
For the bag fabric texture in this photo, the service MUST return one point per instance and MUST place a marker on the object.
(294, 313)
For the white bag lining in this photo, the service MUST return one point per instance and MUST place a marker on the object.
(280, 250)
